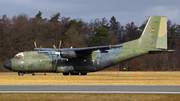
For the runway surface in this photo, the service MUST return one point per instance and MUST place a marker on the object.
(89, 89)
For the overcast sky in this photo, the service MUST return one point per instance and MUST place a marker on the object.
(125, 11)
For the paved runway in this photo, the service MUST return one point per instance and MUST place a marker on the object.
(89, 89)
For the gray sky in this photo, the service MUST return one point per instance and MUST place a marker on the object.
(125, 11)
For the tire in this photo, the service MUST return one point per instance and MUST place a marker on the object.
(65, 73)
(20, 73)
(83, 73)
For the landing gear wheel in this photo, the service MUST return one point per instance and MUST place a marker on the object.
(83, 73)
(20, 73)
(65, 73)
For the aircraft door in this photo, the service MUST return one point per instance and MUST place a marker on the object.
(52, 65)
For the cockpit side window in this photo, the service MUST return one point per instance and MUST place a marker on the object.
(19, 56)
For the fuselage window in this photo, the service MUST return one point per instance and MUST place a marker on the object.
(19, 56)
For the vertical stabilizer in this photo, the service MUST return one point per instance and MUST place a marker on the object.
(154, 35)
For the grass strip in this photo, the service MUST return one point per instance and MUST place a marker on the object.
(89, 97)
(95, 78)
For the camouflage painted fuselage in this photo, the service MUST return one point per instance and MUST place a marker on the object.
(35, 61)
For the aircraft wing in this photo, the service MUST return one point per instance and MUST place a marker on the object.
(86, 49)
(77, 52)
(91, 49)
(44, 49)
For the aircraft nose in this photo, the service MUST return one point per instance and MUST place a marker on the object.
(8, 65)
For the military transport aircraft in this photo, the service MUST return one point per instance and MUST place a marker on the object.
(90, 59)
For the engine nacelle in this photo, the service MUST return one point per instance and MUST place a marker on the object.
(68, 54)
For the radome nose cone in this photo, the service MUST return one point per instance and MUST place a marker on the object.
(8, 65)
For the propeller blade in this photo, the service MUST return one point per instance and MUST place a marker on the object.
(35, 44)
(54, 47)
(57, 53)
(60, 44)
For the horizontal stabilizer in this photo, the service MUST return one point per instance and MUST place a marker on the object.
(160, 51)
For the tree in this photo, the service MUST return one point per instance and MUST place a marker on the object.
(172, 34)
(116, 31)
(73, 34)
(114, 25)
(39, 15)
(101, 37)
(113, 38)
(55, 18)
(76, 24)
(136, 65)
(141, 28)
(131, 31)
(74, 38)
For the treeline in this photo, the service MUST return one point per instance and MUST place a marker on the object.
(18, 34)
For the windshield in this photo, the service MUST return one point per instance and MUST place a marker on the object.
(19, 56)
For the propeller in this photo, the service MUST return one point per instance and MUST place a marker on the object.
(35, 45)
(57, 51)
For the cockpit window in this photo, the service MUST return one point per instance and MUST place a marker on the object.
(19, 56)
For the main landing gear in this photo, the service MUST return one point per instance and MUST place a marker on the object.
(65, 74)
(82, 73)
(33, 74)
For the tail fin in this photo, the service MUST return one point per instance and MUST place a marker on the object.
(154, 35)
